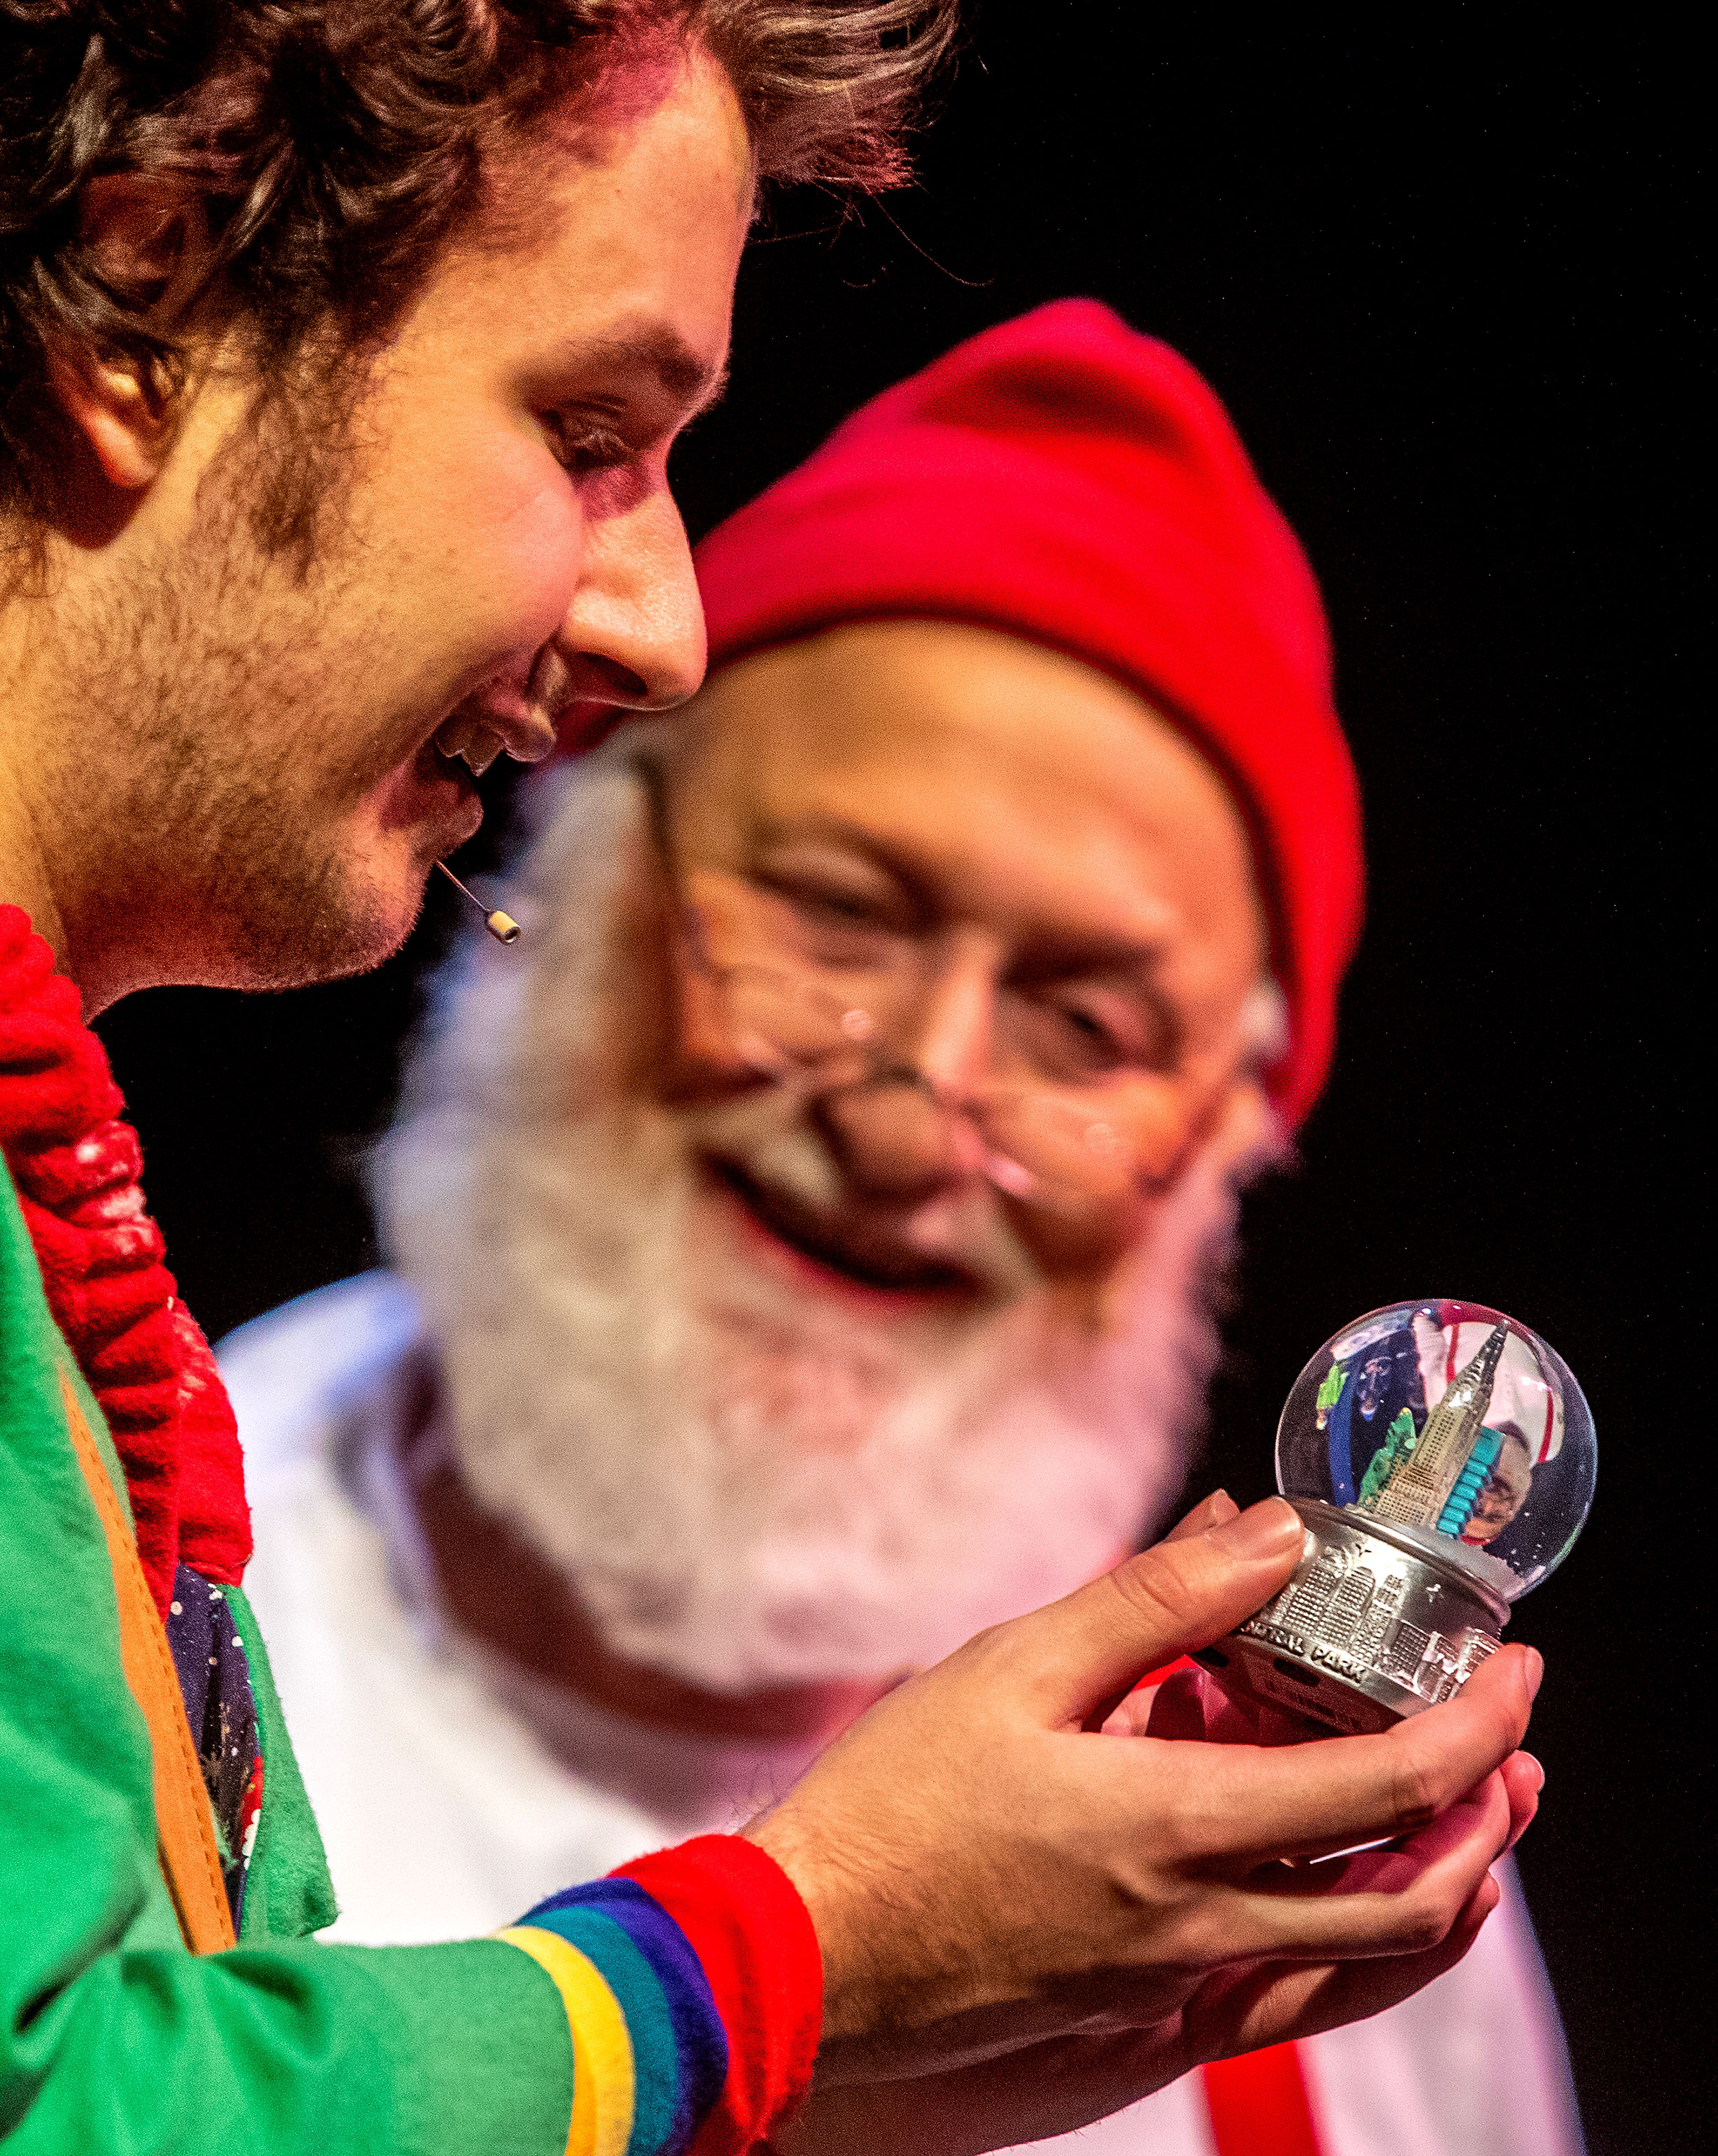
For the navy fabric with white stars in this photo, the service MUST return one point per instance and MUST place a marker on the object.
(214, 1677)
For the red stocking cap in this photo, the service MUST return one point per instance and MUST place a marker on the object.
(1068, 479)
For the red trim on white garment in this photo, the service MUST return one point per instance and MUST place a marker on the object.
(1259, 2105)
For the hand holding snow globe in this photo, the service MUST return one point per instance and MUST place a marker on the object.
(1442, 1457)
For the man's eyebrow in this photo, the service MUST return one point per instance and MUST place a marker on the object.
(689, 379)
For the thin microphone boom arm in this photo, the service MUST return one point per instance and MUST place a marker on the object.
(501, 926)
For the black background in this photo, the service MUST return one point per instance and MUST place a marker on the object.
(1438, 279)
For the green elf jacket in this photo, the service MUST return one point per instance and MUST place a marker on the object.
(673, 2006)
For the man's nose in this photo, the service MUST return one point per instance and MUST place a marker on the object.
(634, 635)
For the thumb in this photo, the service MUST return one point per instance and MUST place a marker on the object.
(1092, 1647)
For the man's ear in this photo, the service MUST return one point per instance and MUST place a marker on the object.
(147, 239)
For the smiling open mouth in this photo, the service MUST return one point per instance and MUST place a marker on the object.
(847, 1251)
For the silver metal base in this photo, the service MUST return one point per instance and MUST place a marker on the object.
(1372, 1626)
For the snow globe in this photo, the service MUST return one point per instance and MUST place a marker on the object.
(1442, 1457)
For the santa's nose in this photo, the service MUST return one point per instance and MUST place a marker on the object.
(902, 1135)
(894, 1140)
(946, 1033)
(899, 1136)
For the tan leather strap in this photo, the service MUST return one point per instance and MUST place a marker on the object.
(184, 1826)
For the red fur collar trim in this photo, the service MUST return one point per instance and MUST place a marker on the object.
(77, 1167)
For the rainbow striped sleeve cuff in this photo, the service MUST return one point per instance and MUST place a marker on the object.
(693, 1991)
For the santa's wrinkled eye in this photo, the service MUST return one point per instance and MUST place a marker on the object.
(1085, 1030)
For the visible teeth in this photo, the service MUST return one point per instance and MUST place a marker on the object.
(464, 736)
(453, 733)
(481, 750)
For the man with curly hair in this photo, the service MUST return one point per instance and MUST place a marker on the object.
(342, 343)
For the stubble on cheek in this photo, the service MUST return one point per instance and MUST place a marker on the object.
(489, 603)
(215, 729)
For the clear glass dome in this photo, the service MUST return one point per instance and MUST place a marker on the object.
(1455, 1424)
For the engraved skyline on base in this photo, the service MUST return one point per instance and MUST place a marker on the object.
(1343, 1615)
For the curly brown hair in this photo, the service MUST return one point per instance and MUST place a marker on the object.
(338, 145)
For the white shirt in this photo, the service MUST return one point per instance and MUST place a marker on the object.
(454, 1791)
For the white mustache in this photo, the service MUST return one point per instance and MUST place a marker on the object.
(767, 1134)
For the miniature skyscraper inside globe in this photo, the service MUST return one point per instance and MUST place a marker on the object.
(1442, 1457)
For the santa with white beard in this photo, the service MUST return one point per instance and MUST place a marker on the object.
(801, 1240)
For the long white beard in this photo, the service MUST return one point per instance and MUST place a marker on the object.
(746, 1486)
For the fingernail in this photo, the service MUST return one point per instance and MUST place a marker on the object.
(1537, 1768)
(1536, 1672)
(1262, 1530)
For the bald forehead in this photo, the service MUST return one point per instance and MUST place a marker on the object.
(914, 689)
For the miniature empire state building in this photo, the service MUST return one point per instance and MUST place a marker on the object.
(1433, 1480)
